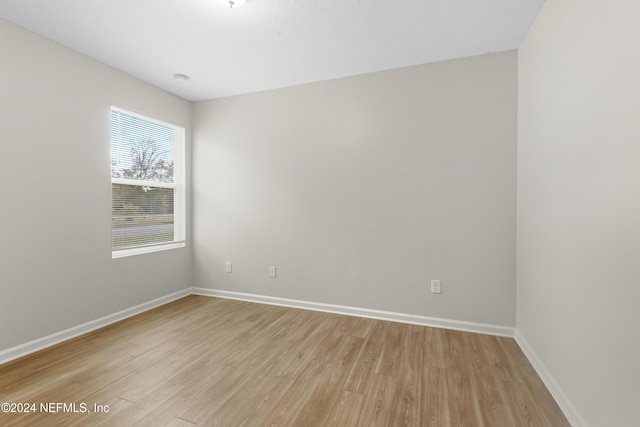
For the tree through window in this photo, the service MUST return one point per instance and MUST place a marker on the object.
(147, 184)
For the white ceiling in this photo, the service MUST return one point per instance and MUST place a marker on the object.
(267, 44)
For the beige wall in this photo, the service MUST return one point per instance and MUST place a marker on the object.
(56, 267)
(360, 190)
(579, 205)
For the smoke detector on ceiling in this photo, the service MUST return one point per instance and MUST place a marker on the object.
(233, 4)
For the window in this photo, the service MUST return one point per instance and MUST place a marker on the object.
(147, 184)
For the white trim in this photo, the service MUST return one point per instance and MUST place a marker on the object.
(143, 183)
(180, 192)
(565, 404)
(58, 337)
(139, 250)
(458, 325)
(142, 116)
(567, 408)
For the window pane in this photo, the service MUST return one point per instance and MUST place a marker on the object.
(141, 215)
(141, 149)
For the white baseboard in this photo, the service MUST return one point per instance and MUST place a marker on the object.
(569, 411)
(563, 401)
(58, 337)
(413, 319)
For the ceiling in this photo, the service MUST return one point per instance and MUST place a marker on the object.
(267, 44)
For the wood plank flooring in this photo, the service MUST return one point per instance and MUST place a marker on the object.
(213, 362)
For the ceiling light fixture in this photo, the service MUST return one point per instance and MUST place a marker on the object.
(233, 3)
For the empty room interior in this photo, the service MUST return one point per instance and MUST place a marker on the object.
(348, 213)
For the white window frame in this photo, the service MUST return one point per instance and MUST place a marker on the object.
(178, 186)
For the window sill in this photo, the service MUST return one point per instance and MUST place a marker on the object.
(121, 253)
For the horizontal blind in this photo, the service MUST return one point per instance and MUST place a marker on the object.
(141, 215)
(141, 149)
(142, 212)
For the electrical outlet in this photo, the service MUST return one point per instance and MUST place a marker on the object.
(272, 271)
(435, 286)
(227, 267)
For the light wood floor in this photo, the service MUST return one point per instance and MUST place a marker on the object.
(213, 362)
